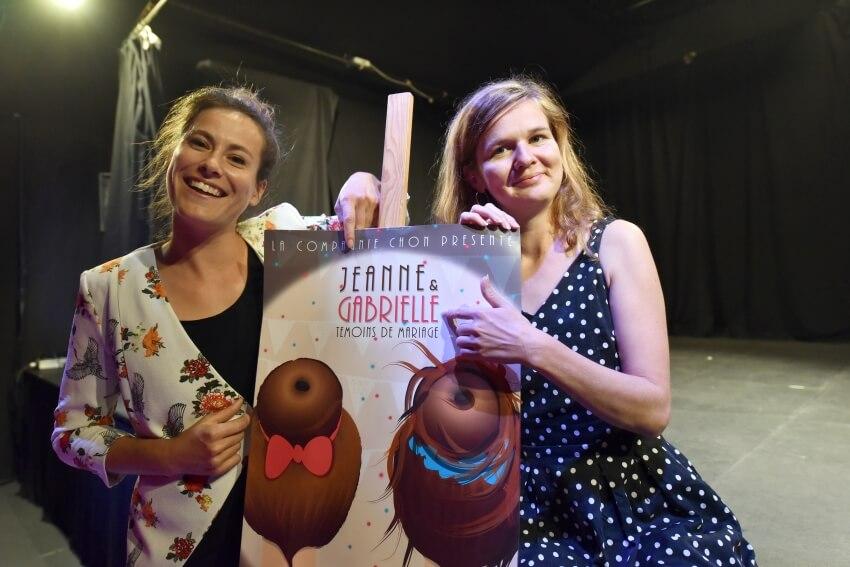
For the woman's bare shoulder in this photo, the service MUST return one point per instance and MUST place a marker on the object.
(624, 248)
(623, 235)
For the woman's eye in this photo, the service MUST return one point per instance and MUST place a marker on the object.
(537, 138)
(197, 142)
(498, 150)
(238, 160)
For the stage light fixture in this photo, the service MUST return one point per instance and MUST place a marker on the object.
(69, 4)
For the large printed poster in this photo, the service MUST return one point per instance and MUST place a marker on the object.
(371, 443)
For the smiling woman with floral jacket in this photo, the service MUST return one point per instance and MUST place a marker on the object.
(139, 321)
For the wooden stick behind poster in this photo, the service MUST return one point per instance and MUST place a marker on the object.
(395, 169)
(396, 165)
(393, 212)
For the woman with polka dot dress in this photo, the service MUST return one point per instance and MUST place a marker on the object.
(600, 486)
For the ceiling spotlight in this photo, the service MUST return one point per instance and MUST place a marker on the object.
(69, 4)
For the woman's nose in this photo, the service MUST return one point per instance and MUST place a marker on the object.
(523, 157)
(210, 166)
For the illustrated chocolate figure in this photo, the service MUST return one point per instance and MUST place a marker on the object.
(453, 464)
(304, 462)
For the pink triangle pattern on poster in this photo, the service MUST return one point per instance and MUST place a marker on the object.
(371, 444)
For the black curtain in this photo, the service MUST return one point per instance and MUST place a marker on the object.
(124, 215)
(737, 168)
(12, 186)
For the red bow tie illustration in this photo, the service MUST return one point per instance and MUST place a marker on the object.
(316, 456)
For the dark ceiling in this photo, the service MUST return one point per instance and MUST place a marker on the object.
(443, 47)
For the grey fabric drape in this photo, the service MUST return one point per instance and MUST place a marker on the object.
(124, 215)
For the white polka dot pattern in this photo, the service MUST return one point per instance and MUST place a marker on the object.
(594, 494)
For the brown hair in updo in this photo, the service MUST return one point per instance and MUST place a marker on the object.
(464, 415)
(301, 400)
(177, 122)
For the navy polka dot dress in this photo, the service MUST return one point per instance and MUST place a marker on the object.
(594, 494)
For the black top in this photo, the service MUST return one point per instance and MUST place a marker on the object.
(231, 339)
(230, 342)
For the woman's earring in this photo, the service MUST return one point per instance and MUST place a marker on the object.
(481, 198)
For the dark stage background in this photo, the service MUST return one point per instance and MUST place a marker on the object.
(721, 128)
(737, 166)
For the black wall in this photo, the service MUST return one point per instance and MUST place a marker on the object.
(736, 166)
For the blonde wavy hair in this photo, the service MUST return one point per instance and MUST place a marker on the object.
(577, 204)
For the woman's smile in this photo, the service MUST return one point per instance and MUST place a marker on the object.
(204, 188)
(527, 180)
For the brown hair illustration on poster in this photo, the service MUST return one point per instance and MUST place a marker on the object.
(300, 491)
(452, 464)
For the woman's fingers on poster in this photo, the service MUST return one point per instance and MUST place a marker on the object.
(465, 329)
(463, 322)
(492, 295)
(233, 427)
(225, 460)
(226, 413)
(357, 204)
(467, 346)
(472, 219)
(459, 316)
(498, 333)
(488, 215)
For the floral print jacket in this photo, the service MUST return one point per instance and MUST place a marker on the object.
(128, 346)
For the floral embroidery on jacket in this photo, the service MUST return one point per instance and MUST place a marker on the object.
(133, 556)
(194, 484)
(96, 417)
(122, 367)
(204, 501)
(65, 441)
(211, 397)
(109, 266)
(143, 509)
(152, 342)
(181, 549)
(155, 289)
(195, 369)
(148, 515)
(109, 436)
